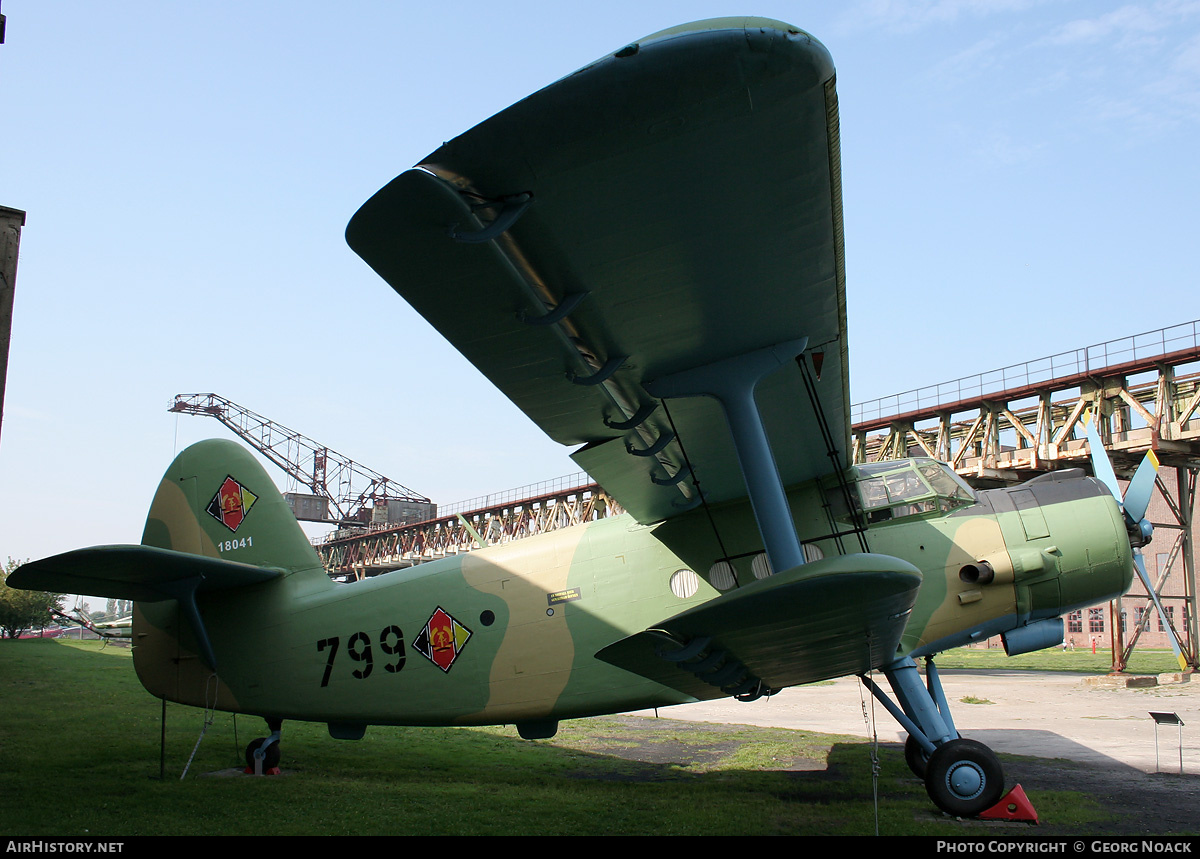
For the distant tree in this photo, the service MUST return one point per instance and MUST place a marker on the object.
(23, 610)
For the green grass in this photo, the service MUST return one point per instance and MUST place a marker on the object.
(79, 754)
(1080, 661)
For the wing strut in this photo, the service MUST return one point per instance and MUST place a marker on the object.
(686, 470)
(732, 382)
(833, 453)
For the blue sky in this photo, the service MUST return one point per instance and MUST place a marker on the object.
(1020, 178)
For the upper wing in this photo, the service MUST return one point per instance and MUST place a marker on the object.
(670, 205)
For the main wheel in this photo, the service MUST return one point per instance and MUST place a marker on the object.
(270, 756)
(915, 757)
(964, 778)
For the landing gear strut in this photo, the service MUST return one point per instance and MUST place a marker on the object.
(262, 755)
(962, 777)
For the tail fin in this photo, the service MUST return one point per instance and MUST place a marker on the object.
(216, 501)
(216, 523)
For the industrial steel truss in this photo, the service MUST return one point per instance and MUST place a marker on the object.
(1012, 424)
(348, 486)
(491, 520)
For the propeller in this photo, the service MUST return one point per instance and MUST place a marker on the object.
(1134, 504)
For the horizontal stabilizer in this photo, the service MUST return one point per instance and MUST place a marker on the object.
(833, 617)
(141, 573)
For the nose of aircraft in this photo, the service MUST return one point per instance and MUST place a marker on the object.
(1067, 540)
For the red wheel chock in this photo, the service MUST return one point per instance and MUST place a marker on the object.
(1014, 805)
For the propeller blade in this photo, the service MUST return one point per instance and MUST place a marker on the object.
(1135, 502)
(1140, 565)
(1101, 466)
(1137, 494)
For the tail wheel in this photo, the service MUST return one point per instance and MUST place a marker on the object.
(964, 778)
(270, 754)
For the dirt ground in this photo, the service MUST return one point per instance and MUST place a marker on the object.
(1140, 803)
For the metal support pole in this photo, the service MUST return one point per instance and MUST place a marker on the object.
(1185, 478)
(1117, 638)
(11, 221)
(162, 743)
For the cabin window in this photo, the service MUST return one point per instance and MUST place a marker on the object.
(685, 584)
(721, 576)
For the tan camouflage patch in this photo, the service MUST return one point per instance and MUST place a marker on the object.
(534, 662)
(966, 605)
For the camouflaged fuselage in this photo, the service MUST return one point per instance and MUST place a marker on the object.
(509, 633)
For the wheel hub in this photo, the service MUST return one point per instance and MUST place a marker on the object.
(966, 779)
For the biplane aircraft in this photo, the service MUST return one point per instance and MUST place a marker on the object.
(119, 628)
(647, 258)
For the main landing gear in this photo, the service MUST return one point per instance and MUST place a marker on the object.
(262, 755)
(962, 777)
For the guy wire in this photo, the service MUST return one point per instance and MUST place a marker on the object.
(696, 482)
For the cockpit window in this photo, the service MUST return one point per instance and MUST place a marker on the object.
(945, 481)
(904, 487)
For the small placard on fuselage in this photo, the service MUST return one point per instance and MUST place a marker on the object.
(558, 597)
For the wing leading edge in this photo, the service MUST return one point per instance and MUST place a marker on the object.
(671, 205)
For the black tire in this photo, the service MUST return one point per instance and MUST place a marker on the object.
(915, 757)
(964, 778)
(270, 756)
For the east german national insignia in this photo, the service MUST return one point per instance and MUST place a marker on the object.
(231, 504)
(442, 639)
